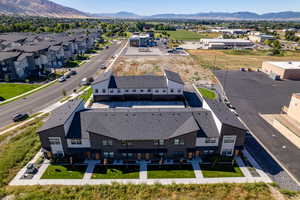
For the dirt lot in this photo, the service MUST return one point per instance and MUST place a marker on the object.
(186, 66)
(235, 60)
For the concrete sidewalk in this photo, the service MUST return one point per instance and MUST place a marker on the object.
(143, 170)
(28, 93)
(242, 166)
(136, 181)
(44, 111)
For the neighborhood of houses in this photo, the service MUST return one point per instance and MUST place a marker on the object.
(24, 55)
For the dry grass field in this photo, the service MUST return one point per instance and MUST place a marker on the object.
(186, 66)
(236, 59)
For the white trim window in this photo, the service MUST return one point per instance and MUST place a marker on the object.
(228, 145)
(210, 140)
(54, 141)
(178, 142)
(107, 142)
(76, 141)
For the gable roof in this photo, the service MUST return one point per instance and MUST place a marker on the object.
(143, 124)
(33, 47)
(8, 55)
(13, 37)
(173, 76)
(147, 81)
(60, 115)
(103, 77)
(224, 114)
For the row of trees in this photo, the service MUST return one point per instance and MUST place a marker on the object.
(291, 36)
(43, 24)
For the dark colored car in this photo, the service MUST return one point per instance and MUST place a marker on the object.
(73, 72)
(31, 169)
(20, 117)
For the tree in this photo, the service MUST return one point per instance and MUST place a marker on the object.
(64, 93)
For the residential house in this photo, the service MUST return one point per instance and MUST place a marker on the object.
(143, 133)
(148, 87)
(7, 66)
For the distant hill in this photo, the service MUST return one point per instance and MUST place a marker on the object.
(121, 14)
(288, 15)
(43, 8)
(47, 8)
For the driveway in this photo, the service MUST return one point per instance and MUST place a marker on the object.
(253, 93)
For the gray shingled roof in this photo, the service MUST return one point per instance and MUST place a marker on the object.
(34, 47)
(173, 76)
(224, 114)
(143, 124)
(147, 81)
(8, 55)
(12, 37)
(24, 55)
(60, 115)
(55, 48)
(103, 77)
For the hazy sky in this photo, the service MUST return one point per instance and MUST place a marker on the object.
(148, 7)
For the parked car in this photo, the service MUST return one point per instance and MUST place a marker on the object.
(62, 79)
(31, 169)
(68, 75)
(20, 117)
(73, 72)
(103, 66)
(84, 81)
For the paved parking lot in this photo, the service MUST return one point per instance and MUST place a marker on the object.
(151, 51)
(253, 93)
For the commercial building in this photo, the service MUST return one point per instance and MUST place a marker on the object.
(142, 40)
(260, 38)
(294, 108)
(225, 43)
(199, 129)
(286, 70)
(231, 31)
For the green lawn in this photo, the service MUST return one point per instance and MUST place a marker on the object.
(64, 172)
(116, 172)
(219, 171)
(86, 95)
(10, 90)
(170, 171)
(184, 35)
(208, 94)
(18, 149)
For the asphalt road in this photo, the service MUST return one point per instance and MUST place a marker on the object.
(253, 93)
(46, 97)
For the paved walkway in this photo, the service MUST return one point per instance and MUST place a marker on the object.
(27, 93)
(143, 170)
(197, 170)
(256, 166)
(90, 168)
(42, 170)
(242, 166)
(136, 181)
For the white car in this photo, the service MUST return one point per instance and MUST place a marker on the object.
(62, 79)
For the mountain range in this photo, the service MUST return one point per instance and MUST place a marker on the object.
(288, 15)
(42, 8)
(47, 8)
